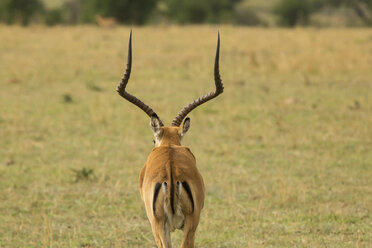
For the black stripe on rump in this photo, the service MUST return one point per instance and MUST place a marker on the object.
(156, 192)
(186, 186)
(171, 189)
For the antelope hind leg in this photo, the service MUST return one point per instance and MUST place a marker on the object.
(158, 220)
(161, 234)
(191, 223)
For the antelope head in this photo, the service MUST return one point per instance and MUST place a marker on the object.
(171, 134)
(171, 167)
(168, 135)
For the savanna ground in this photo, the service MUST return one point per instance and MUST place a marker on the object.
(285, 152)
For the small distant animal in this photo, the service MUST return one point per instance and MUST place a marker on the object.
(291, 101)
(171, 186)
(106, 22)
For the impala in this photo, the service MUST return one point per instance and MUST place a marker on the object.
(171, 186)
(106, 22)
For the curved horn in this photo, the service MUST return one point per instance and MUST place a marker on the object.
(124, 81)
(219, 89)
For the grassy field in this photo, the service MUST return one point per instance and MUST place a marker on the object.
(285, 152)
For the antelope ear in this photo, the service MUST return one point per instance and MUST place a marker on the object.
(185, 126)
(155, 124)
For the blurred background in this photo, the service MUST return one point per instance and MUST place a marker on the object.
(268, 13)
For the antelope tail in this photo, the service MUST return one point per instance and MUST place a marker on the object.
(165, 198)
(171, 196)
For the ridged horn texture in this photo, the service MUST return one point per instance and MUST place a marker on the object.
(124, 81)
(219, 89)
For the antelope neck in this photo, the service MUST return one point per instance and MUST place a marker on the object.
(170, 136)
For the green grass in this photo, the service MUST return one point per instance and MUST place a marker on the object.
(285, 152)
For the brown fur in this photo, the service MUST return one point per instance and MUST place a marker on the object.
(171, 163)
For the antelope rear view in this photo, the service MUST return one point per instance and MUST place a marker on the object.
(171, 186)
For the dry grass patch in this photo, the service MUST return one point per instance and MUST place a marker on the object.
(278, 172)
